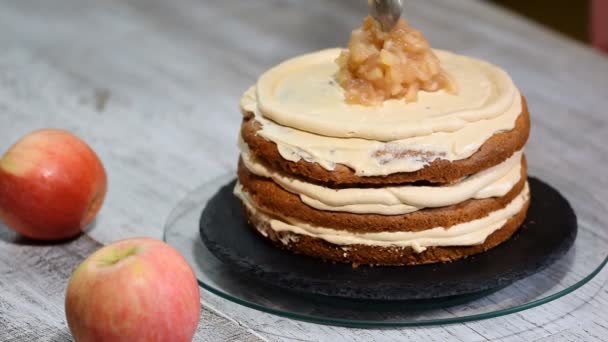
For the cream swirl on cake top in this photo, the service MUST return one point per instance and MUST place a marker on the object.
(302, 109)
(301, 93)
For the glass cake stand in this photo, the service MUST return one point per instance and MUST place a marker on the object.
(579, 265)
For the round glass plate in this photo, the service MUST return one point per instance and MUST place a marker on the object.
(579, 265)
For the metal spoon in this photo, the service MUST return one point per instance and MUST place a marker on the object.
(387, 12)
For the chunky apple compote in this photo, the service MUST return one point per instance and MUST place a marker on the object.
(378, 65)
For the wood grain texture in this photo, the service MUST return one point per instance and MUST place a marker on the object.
(154, 86)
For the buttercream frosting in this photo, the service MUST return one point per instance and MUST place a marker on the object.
(302, 110)
(301, 93)
(464, 234)
(496, 181)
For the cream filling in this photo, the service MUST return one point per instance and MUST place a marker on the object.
(377, 158)
(465, 234)
(493, 182)
(302, 93)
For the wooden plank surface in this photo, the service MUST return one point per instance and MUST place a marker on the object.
(154, 85)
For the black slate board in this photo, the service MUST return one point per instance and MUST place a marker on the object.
(548, 232)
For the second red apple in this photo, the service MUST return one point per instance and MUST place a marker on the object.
(52, 184)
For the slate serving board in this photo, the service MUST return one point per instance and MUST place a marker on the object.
(548, 232)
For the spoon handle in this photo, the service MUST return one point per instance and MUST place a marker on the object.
(386, 12)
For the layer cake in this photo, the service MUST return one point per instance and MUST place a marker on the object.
(410, 178)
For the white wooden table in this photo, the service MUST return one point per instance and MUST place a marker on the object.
(154, 85)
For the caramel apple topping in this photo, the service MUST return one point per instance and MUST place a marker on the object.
(378, 65)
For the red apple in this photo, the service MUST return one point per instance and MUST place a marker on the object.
(138, 289)
(52, 185)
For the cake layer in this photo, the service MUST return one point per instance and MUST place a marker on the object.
(383, 158)
(496, 181)
(379, 158)
(438, 245)
(269, 197)
(301, 93)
